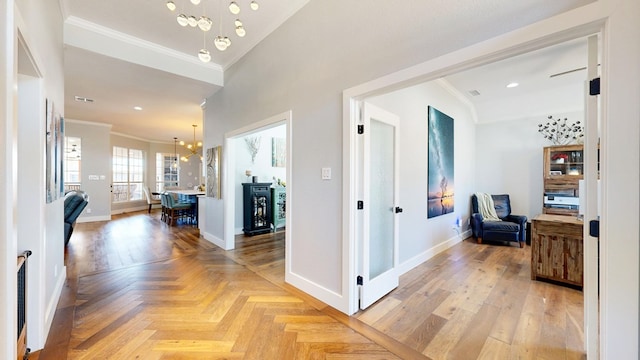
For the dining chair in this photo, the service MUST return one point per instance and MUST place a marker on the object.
(176, 209)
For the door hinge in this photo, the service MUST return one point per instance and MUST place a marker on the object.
(594, 87)
(360, 129)
(359, 280)
(360, 204)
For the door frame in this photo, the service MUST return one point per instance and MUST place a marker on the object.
(229, 192)
(527, 39)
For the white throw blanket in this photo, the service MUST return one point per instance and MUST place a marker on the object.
(486, 207)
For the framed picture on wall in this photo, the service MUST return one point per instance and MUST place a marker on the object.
(278, 152)
(214, 187)
(440, 189)
(54, 150)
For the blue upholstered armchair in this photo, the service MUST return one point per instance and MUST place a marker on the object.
(510, 228)
(74, 203)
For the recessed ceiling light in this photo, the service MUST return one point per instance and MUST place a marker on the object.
(138, 108)
(512, 85)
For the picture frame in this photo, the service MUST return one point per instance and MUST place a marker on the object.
(214, 156)
(54, 150)
(278, 152)
(440, 167)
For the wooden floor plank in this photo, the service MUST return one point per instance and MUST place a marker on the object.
(140, 289)
(474, 337)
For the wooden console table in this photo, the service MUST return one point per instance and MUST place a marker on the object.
(557, 248)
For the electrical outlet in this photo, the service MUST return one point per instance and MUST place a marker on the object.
(88, 210)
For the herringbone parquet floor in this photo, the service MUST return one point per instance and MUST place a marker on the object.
(139, 289)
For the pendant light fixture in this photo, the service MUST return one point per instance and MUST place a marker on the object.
(193, 147)
(204, 54)
(175, 151)
(204, 23)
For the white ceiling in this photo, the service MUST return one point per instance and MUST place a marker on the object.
(124, 53)
(538, 93)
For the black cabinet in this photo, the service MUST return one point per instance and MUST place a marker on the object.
(256, 208)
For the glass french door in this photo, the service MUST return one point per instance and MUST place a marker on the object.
(379, 250)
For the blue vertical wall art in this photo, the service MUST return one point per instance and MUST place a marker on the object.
(440, 186)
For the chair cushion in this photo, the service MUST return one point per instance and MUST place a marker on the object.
(502, 226)
(502, 205)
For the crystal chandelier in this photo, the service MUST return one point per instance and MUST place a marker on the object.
(204, 23)
(193, 147)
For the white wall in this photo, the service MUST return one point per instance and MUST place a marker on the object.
(261, 167)
(96, 161)
(509, 160)
(418, 234)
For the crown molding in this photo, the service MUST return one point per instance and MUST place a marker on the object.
(84, 122)
(460, 96)
(102, 40)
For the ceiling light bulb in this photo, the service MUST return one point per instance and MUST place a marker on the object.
(181, 143)
(221, 43)
(199, 143)
(171, 5)
(254, 5)
(195, 2)
(234, 8)
(240, 31)
(204, 55)
(512, 85)
(137, 108)
(205, 23)
(182, 20)
(193, 22)
(237, 22)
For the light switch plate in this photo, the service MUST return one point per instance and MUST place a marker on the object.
(326, 173)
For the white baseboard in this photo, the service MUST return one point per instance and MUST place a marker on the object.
(214, 240)
(319, 292)
(93, 218)
(128, 210)
(428, 254)
(53, 303)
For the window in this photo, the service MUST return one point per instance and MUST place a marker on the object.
(128, 174)
(72, 157)
(166, 171)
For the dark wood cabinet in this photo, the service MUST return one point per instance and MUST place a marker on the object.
(257, 208)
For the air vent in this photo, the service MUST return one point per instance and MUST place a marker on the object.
(83, 99)
(474, 92)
